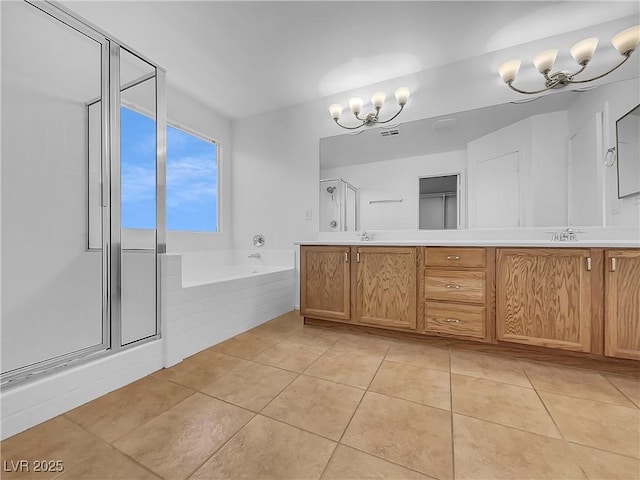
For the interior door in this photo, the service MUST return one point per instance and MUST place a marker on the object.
(498, 191)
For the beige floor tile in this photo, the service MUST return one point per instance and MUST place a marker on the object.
(290, 355)
(56, 439)
(316, 337)
(501, 403)
(413, 435)
(362, 344)
(489, 367)
(596, 424)
(418, 384)
(247, 345)
(175, 443)
(117, 413)
(285, 324)
(196, 374)
(419, 355)
(267, 449)
(316, 405)
(601, 465)
(107, 463)
(485, 450)
(348, 464)
(573, 382)
(630, 386)
(344, 367)
(251, 385)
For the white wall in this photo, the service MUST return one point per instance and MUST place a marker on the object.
(615, 100)
(395, 179)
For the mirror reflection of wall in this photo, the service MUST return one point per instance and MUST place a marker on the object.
(338, 206)
(438, 208)
(531, 164)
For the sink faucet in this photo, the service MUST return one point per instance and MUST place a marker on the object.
(365, 237)
(566, 235)
(254, 255)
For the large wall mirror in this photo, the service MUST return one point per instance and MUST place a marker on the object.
(628, 153)
(538, 163)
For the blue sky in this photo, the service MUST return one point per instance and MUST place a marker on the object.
(192, 176)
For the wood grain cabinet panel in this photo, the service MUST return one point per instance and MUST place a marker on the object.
(386, 286)
(622, 304)
(325, 282)
(455, 286)
(464, 320)
(544, 297)
(455, 257)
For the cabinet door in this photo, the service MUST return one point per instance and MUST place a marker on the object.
(325, 283)
(622, 304)
(386, 292)
(544, 298)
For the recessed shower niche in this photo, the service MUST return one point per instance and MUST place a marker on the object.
(338, 206)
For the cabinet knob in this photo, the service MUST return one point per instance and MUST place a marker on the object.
(588, 264)
(358, 257)
(452, 320)
(346, 257)
(452, 286)
(613, 264)
(453, 257)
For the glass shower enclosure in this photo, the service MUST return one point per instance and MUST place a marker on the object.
(338, 206)
(75, 283)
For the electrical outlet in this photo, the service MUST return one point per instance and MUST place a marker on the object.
(308, 215)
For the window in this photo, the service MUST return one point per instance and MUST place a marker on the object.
(192, 182)
(192, 177)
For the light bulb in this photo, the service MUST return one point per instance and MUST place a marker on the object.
(583, 50)
(356, 105)
(627, 40)
(402, 95)
(509, 70)
(336, 110)
(377, 99)
(544, 60)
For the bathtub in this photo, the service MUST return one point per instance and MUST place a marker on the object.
(214, 295)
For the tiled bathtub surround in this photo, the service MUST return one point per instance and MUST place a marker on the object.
(287, 401)
(204, 307)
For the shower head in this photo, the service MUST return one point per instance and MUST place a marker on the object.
(331, 189)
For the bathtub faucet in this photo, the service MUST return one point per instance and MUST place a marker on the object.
(254, 255)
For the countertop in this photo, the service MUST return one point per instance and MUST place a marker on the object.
(483, 243)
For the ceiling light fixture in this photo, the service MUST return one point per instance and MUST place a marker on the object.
(624, 42)
(377, 100)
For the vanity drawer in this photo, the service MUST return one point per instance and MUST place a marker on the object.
(465, 320)
(452, 285)
(455, 257)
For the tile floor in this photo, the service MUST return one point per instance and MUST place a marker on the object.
(284, 401)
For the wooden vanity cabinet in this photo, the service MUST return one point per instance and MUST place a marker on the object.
(544, 297)
(386, 286)
(325, 282)
(456, 290)
(622, 304)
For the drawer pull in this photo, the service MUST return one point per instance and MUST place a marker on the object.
(613, 264)
(453, 257)
(452, 320)
(452, 286)
(346, 257)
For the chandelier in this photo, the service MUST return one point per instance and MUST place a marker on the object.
(624, 42)
(377, 100)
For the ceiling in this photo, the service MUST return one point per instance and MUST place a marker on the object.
(248, 57)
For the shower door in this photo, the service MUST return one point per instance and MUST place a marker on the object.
(76, 281)
(53, 286)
